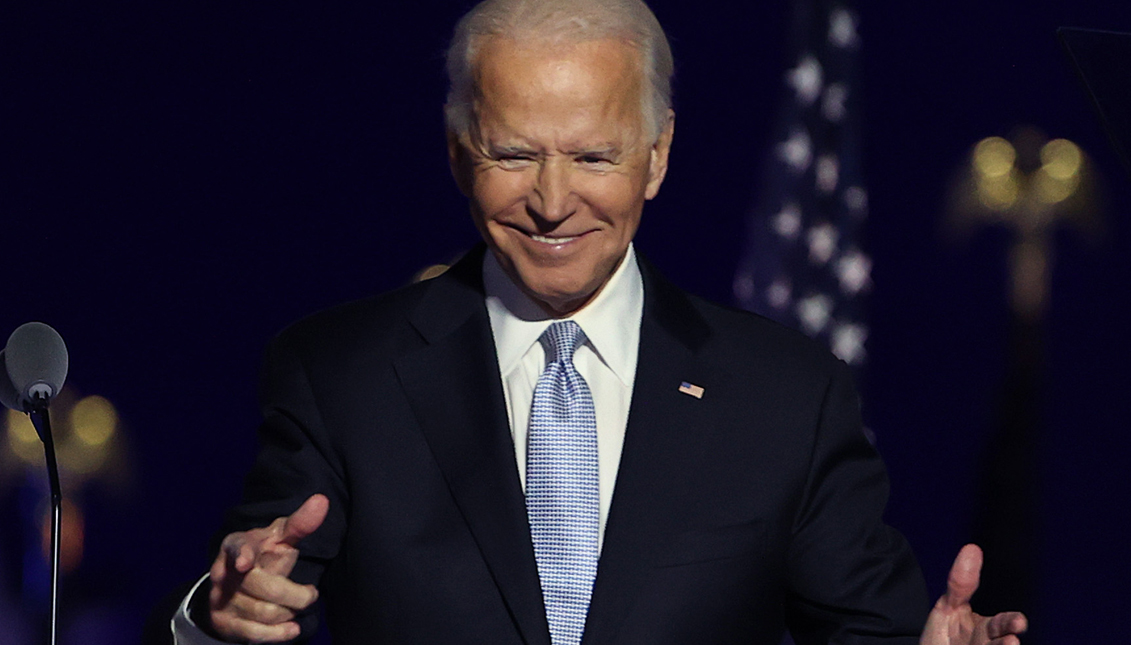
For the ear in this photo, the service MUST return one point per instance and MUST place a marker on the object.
(459, 163)
(658, 164)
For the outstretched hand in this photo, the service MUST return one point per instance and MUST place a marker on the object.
(953, 621)
(252, 599)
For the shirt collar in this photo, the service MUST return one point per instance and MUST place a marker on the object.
(611, 322)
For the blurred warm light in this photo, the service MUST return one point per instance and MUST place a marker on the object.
(71, 540)
(995, 173)
(1061, 159)
(84, 433)
(994, 157)
(999, 192)
(1059, 175)
(94, 420)
(1050, 189)
(89, 445)
(1030, 184)
(22, 438)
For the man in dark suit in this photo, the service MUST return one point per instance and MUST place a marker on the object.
(403, 428)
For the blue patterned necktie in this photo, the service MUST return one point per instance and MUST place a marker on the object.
(561, 485)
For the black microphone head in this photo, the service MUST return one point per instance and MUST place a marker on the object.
(36, 361)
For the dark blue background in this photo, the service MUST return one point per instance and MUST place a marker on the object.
(180, 183)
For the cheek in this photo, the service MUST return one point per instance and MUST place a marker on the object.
(497, 192)
(617, 199)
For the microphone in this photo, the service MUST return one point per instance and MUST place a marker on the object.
(35, 360)
(34, 367)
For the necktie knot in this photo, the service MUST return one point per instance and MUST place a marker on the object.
(560, 340)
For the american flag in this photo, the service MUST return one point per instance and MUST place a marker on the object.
(803, 264)
(692, 389)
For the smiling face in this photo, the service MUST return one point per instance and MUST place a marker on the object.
(558, 163)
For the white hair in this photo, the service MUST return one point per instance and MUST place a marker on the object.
(562, 21)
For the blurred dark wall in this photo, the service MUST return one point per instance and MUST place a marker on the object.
(179, 183)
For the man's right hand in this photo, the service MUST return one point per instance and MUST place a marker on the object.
(252, 599)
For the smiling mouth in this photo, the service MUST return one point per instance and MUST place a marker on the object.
(552, 240)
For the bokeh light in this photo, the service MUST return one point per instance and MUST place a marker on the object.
(1031, 185)
(93, 423)
(1061, 158)
(94, 420)
(996, 175)
(22, 438)
(1059, 174)
(994, 157)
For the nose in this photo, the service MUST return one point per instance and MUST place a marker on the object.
(554, 198)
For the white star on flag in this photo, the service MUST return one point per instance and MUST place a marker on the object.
(814, 313)
(848, 342)
(842, 29)
(854, 270)
(788, 221)
(797, 150)
(822, 243)
(806, 79)
(804, 265)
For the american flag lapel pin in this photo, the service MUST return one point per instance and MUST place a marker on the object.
(691, 389)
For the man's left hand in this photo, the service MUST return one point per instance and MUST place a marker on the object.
(953, 622)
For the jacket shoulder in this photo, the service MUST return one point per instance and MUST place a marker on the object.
(744, 339)
(392, 321)
(370, 317)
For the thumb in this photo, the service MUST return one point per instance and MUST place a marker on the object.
(306, 519)
(964, 576)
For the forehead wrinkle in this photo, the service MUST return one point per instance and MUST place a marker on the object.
(523, 91)
(566, 138)
(591, 149)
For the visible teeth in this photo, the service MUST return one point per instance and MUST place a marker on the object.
(552, 240)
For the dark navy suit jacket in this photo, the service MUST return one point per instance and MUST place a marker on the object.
(734, 515)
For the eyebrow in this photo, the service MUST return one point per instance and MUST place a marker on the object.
(496, 149)
(594, 150)
(502, 150)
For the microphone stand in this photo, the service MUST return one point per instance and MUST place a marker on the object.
(42, 422)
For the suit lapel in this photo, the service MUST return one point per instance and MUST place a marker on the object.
(660, 418)
(454, 388)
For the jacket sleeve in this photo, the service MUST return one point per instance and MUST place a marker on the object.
(852, 579)
(296, 459)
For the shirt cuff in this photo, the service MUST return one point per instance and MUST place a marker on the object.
(185, 632)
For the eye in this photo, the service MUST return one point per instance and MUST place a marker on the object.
(594, 160)
(514, 161)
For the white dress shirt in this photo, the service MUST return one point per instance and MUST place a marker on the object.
(607, 362)
(607, 359)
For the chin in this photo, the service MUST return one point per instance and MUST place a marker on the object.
(562, 301)
(556, 288)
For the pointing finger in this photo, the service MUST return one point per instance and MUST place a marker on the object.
(237, 551)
